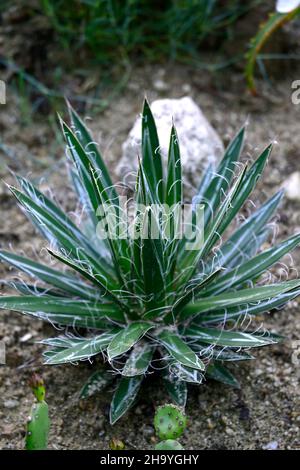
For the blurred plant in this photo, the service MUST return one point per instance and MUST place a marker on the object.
(115, 30)
(170, 423)
(38, 423)
(116, 444)
(287, 10)
(152, 303)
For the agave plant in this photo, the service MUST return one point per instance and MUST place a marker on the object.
(148, 304)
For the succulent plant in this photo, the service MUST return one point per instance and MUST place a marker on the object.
(38, 423)
(286, 11)
(169, 444)
(116, 444)
(170, 303)
(169, 422)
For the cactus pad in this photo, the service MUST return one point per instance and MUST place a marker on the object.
(169, 444)
(38, 427)
(169, 422)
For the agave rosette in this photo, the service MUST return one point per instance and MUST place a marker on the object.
(150, 304)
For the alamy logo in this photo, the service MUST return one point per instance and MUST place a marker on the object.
(2, 92)
(295, 96)
(156, 221)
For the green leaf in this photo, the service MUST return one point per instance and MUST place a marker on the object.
(234, 299)
(61, 342)
(179, 350)
(174, 177)
(236, 339)
(224, 174)
(71, 241)
(97, 382)
(189, 259)
(192, 291)
(51, 276)
(139, 359)
(216, 228)
(83, 350)
(127, 338)
(206, 179)
(186, 374)
(245, 235)
(152, 259)
(95, 278)
(173, 204)
(116, 230)
(254, 267)
(254, 245)
(218, 372)
(124, 396)
(242, 310)
(32, 289)
(251, 178)
(61, 219)
(82, 164)
(152, 161)
(220, 354)
(176, 389)
(64, 307)
(92, 151)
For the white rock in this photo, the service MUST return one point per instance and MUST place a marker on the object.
(199, 143)
(292, 186)
(160, 85)
(273, 445)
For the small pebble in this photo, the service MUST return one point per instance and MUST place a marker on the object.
(273, 445)
(10, 403)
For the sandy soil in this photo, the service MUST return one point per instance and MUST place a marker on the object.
(265, 413)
